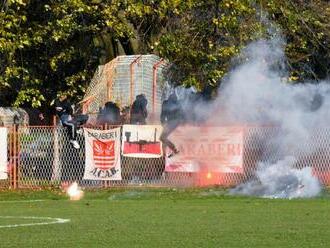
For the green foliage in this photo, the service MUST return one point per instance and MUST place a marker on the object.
(31, 96)
(52, 45)
(305, 27)
(208, 35)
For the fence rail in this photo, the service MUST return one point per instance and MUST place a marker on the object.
(43, 157)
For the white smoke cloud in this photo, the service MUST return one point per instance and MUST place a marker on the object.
(256, 92)
(281, 180)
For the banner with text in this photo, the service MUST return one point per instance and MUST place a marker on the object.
(217, 149)
(3, 152)
(142, 141)
(102, 149)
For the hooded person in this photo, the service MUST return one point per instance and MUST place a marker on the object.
(139, 111)
(171, 117)
(110, 114)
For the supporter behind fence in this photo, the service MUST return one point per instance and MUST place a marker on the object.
(46, 158)
(139, 111)
(109, 115)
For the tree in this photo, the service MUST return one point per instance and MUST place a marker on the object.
(52, 45)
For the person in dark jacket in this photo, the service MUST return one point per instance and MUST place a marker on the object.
(171, 117)
(37, 117)
(139, 111)
(110, 114)
(64, 111)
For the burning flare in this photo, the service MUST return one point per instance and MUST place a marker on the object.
(74, 192)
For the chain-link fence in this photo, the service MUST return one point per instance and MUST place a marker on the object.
(122, 79)
(43, 156)
(46, 158)
(268, 145)
(11, 157)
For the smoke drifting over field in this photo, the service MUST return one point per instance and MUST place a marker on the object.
(257, 93)
(280, 180)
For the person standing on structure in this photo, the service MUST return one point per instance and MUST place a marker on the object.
(64, 111)
(171, 117)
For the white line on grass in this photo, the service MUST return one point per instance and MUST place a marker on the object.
(19, 201)
(49, 220)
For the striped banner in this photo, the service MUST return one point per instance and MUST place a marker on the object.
(142, 141)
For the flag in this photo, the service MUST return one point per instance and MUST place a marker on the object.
(142, 141)
(3, 152)
(102, 148)
(217, 149)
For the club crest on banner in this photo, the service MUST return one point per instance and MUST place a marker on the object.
(102, 154)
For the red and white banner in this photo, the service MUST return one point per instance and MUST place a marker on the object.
(102, 149)
(3, 152)
(142, 141)
(217, 149)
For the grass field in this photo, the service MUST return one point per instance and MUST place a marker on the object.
(163, 218)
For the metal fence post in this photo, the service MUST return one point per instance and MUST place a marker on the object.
(131, 66)
(154, 83)
(56, 174)
(15, 154)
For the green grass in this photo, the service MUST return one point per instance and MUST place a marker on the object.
(165, 218)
